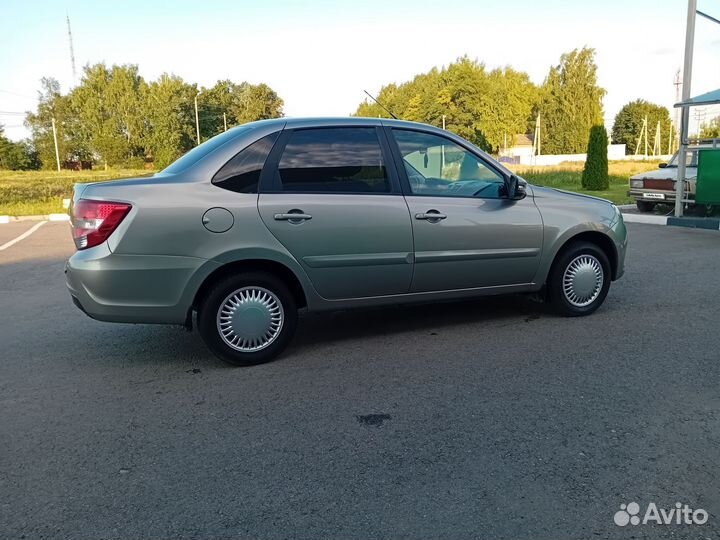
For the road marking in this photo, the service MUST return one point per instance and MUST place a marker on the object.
(23, 236)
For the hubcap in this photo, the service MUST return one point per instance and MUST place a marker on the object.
(250, 319)
(583, 280)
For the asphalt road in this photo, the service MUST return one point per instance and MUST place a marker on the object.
(486, 419)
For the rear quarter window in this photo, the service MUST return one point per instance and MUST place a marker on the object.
(196, 154)
(242, 173)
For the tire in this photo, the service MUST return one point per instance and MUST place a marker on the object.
(645, 206)
(253, 334)
(588, 261)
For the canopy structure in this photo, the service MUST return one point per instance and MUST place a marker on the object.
(708, 98)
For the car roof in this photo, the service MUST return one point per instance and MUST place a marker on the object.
(321, 121)
(311, 122)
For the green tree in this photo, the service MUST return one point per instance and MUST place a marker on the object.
(115, 116)
(629, 122)
(571, 103)
(711, 130)
(16, 156)
(595, 174)
(52, 104)
(241, 103)
(255, 102)
(482, 106)
(109, 110)
(170, 119)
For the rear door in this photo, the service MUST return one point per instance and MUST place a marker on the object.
(467, 233)
(329, 196)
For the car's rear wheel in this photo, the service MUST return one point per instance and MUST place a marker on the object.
(248, 318)
(579, 279)
(645, 206)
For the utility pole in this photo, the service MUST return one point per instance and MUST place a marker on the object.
(678, 88)
(443, 119)
(643, 133)
(197, 119)
(685, 113)
(657, 141)
(671, 138)
(699, 115)
(57, 152)
(536, 137)
(225, 121)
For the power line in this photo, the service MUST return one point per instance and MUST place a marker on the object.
(13, 113)
(18, 94)
(709, 17)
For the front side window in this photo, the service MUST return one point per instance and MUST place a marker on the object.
(333, 160)
(242, 173)
(438, 167)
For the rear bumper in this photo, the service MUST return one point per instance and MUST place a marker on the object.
(133, 288)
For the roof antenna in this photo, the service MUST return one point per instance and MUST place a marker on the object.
(381, 105)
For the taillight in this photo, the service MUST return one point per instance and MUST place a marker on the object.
(94, 221)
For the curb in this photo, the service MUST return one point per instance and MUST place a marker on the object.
(643, 218)
(46, 217)
(712, 224)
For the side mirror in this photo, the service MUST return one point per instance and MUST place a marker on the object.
(662, 165)
(514, 188)
(511, 185)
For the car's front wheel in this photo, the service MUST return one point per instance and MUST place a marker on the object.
(579, 280)
(248, 318)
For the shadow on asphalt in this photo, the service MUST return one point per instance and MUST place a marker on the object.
(162, 344)
(336, 326)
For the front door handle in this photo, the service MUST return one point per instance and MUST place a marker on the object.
(430, 215)
(292, 216)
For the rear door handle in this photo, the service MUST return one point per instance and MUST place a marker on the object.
(430, 215)
(291, 216)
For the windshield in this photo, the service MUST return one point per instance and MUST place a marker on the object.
(196, 154)
(690, 161)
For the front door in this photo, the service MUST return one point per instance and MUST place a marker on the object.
(335, 205)
(467, 233)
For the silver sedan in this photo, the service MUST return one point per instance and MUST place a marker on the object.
(280, 215)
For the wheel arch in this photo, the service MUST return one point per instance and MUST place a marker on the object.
(602, 240)
(275, 268)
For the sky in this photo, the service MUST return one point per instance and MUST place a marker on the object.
(320, 56)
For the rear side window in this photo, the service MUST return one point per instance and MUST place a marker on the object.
(242, 173)
(333, 160)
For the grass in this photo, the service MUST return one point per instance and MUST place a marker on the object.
(24, 193)
(568, 176)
